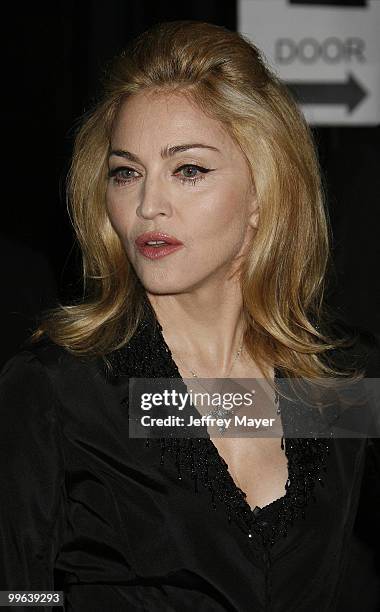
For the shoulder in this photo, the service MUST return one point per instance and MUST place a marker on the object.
(34, 380)
(25, 389)
(54, 358)
(43, 355)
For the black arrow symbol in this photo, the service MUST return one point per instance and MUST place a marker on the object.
(349, 92)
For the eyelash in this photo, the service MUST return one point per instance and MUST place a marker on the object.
(113, 174)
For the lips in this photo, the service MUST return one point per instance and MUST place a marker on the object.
(167, 245)
(143, 239)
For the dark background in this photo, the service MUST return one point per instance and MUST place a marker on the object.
(54, 56)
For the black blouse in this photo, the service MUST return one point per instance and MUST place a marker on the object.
(128, 524)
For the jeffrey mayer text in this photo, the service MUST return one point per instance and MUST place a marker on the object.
(210, 421)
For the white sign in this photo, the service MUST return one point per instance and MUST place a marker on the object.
(329, 56)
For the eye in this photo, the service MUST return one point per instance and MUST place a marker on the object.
(123, 175)
(117, 175)
(193, 178)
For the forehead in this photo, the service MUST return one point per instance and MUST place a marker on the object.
(153, 116)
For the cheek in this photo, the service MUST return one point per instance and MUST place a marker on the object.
(223, 218)
(118, 214)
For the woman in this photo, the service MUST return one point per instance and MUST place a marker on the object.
(197, 145)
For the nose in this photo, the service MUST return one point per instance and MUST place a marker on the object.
(154, 199)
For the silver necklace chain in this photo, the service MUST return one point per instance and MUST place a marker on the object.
(218, 411)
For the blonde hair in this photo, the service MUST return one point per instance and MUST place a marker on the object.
(282, 279)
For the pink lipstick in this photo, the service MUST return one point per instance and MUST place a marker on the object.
(154, 245)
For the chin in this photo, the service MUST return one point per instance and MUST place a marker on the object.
(164, 285)
(162, 290)
(161, 284)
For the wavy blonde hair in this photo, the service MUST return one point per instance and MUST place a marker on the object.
(282, 279)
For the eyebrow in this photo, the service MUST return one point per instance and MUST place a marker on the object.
(165, 153)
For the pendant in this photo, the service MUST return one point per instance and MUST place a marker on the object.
(220, 412)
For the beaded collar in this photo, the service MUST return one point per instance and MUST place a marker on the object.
(148, 355)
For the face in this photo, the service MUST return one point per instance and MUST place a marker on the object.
(201, 196)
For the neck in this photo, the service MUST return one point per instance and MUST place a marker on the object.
(205, 332)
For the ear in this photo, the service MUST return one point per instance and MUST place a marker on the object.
(254, 214)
